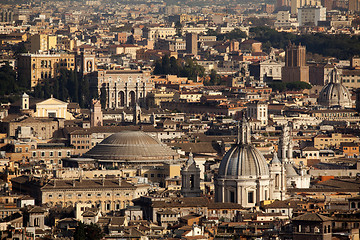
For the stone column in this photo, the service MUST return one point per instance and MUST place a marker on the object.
(109, 96)
(126, 102)
(137, 93)
(116, 96)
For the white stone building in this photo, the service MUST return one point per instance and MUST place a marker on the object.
(122, 88)
(284, 19)
(258, 111)
(311, 15)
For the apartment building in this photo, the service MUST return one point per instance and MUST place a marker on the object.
(38, 68)
(333, 140)
(42, 42)
(107, 194)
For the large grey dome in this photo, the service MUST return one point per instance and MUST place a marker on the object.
(334, 93)
(130, 147)
(243, 159)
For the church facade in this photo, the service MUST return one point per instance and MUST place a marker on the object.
(244, 176)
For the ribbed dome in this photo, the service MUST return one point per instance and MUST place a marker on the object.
(132, 146)
(334, 93)
(243, 159)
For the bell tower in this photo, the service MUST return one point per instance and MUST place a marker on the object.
(277, 176)
(25, 102)
(96, 115)
(190, 177)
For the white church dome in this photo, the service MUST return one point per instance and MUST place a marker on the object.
(243, 159)
(334, 93)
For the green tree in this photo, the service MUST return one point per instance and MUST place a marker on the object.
(158, 67)
(278, 86)
(215, 78)
(88, 232)
(192, 70)
(165, 63)
(80, 233)
(94, 232)
(174, 66)
(235, 34)
(297, 86)
(8, 84)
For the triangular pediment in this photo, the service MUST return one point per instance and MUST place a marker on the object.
(51, 101)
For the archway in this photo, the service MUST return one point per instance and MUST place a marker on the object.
(121, 99)
(132, 99)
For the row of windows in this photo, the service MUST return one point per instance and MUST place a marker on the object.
(82, 147)
(348, 80)
(80, 136)
(354, 148)
(51, 154)
(88, 195)
(341, 140)
(82, 141)
(152, 175)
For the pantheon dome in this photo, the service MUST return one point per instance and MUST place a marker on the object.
(133, 147)
(334, 94)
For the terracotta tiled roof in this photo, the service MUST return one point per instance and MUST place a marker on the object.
(312, 217)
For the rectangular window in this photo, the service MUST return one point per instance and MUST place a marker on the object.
(250, 197)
